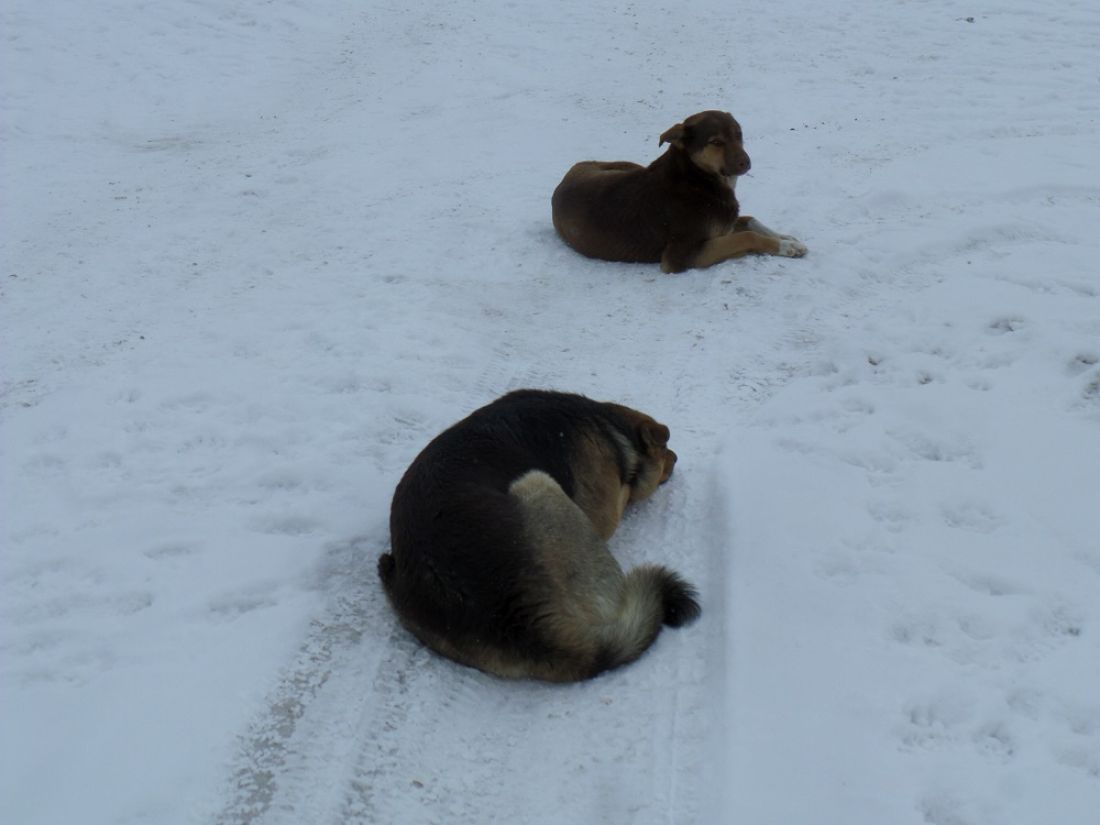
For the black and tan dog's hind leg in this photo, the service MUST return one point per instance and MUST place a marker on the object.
(591, 614)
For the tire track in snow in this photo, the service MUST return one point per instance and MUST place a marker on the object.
(296, 726)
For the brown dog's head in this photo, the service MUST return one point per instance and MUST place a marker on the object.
(713, 142)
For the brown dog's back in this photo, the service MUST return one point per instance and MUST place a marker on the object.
(603, 209)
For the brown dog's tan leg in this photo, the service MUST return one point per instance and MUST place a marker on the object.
(789, 245)
(747, 223)
(748, 237)
(736, 244)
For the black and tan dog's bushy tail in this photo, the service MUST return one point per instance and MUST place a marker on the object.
(651, 596)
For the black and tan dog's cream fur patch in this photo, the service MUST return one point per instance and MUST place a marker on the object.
(680, 210)
(499, 533)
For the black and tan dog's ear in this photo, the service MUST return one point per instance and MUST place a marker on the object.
(654, 434)
(674, 135)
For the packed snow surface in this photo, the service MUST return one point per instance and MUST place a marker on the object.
(257, 253)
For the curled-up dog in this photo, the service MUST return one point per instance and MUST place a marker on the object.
(680, 210)
(499, 529)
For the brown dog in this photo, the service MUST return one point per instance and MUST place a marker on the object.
(680, 210)
(499, 535)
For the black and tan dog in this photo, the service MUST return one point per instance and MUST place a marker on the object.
(680, 210)
(499, 535)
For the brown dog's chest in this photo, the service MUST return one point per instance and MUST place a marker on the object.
(706, 217)
(723, 223)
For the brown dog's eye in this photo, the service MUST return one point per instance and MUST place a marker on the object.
(716, 142)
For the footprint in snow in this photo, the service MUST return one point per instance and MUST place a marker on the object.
(1080, 757)
(948, 721)
(933, 723)
(943, 808)
(1046, 630)
(196, 402)
(1006, 324)
(281, 481)
(994, 740)
(1091, 393)
(170, 550)
(989, 585)
(229, 606)
(49, 610)
(45, 464)
(918, 631)
(930, 448)
(288, 526)
(1061, 621)
(975, 516)
(1081, 362)
(891, 515)
(1073, 728)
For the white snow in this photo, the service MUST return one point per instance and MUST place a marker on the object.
(256, 254)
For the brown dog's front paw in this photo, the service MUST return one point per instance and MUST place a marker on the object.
(791, 248)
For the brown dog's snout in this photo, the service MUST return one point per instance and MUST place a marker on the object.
(740, 163)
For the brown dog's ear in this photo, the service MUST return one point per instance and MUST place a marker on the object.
(654, 434)
(674, 135)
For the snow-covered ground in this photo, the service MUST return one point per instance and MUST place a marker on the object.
(257, 253)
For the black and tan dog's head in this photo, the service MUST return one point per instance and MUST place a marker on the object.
(653, 460)
(713, 142)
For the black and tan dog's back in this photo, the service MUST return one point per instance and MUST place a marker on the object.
(680, 210)
(499, 535)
